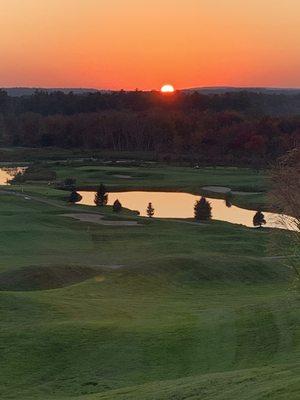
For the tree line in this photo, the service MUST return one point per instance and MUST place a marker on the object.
(58, 102)
(228, 128)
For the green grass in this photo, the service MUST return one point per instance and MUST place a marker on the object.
(164, 177)
(165, 310)
(54, 154)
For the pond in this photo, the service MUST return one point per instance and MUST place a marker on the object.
(7, 174)
(181, 205)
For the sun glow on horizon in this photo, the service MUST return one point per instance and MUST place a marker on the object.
(114, 45)
(167, 89)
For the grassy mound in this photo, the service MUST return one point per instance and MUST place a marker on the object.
(214, 268)
(278, 383)
(42, 278)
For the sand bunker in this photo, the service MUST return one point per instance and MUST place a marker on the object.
(217, 189)
(123, 176)
(98, 219)
(226, 190)
(239, 193)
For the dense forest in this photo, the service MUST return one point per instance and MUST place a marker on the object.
(231, 128)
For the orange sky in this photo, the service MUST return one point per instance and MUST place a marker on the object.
(144, 43)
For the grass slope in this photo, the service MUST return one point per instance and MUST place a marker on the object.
(191, 312)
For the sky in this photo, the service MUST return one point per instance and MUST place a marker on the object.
(129, 44)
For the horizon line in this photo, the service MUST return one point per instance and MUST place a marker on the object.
(150, 90)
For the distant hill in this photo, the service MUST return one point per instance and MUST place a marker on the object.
(24, 91)
(228, 89)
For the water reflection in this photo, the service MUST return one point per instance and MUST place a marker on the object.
(7, 174)
(181, 205)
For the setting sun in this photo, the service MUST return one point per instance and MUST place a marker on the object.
(167, 89)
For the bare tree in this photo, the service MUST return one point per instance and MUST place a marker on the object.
(285, 196)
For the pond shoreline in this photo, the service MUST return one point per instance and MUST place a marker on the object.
(196, 192)
(180, 205)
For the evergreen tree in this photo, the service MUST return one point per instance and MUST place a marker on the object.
(75, 197)
(117, 206)
(101, 197)
(259, 219)
(150, 210)
(202, 210)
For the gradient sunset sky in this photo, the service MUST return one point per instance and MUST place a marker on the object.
(144, 43)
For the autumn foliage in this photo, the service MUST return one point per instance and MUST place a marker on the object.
(233, 128)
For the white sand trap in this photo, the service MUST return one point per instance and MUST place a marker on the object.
(123, 176)
(217, 189)
(98, 219)
(226, 190)
(239, 193)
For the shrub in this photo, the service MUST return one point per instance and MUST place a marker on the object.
(202, 210)
(117, 206)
